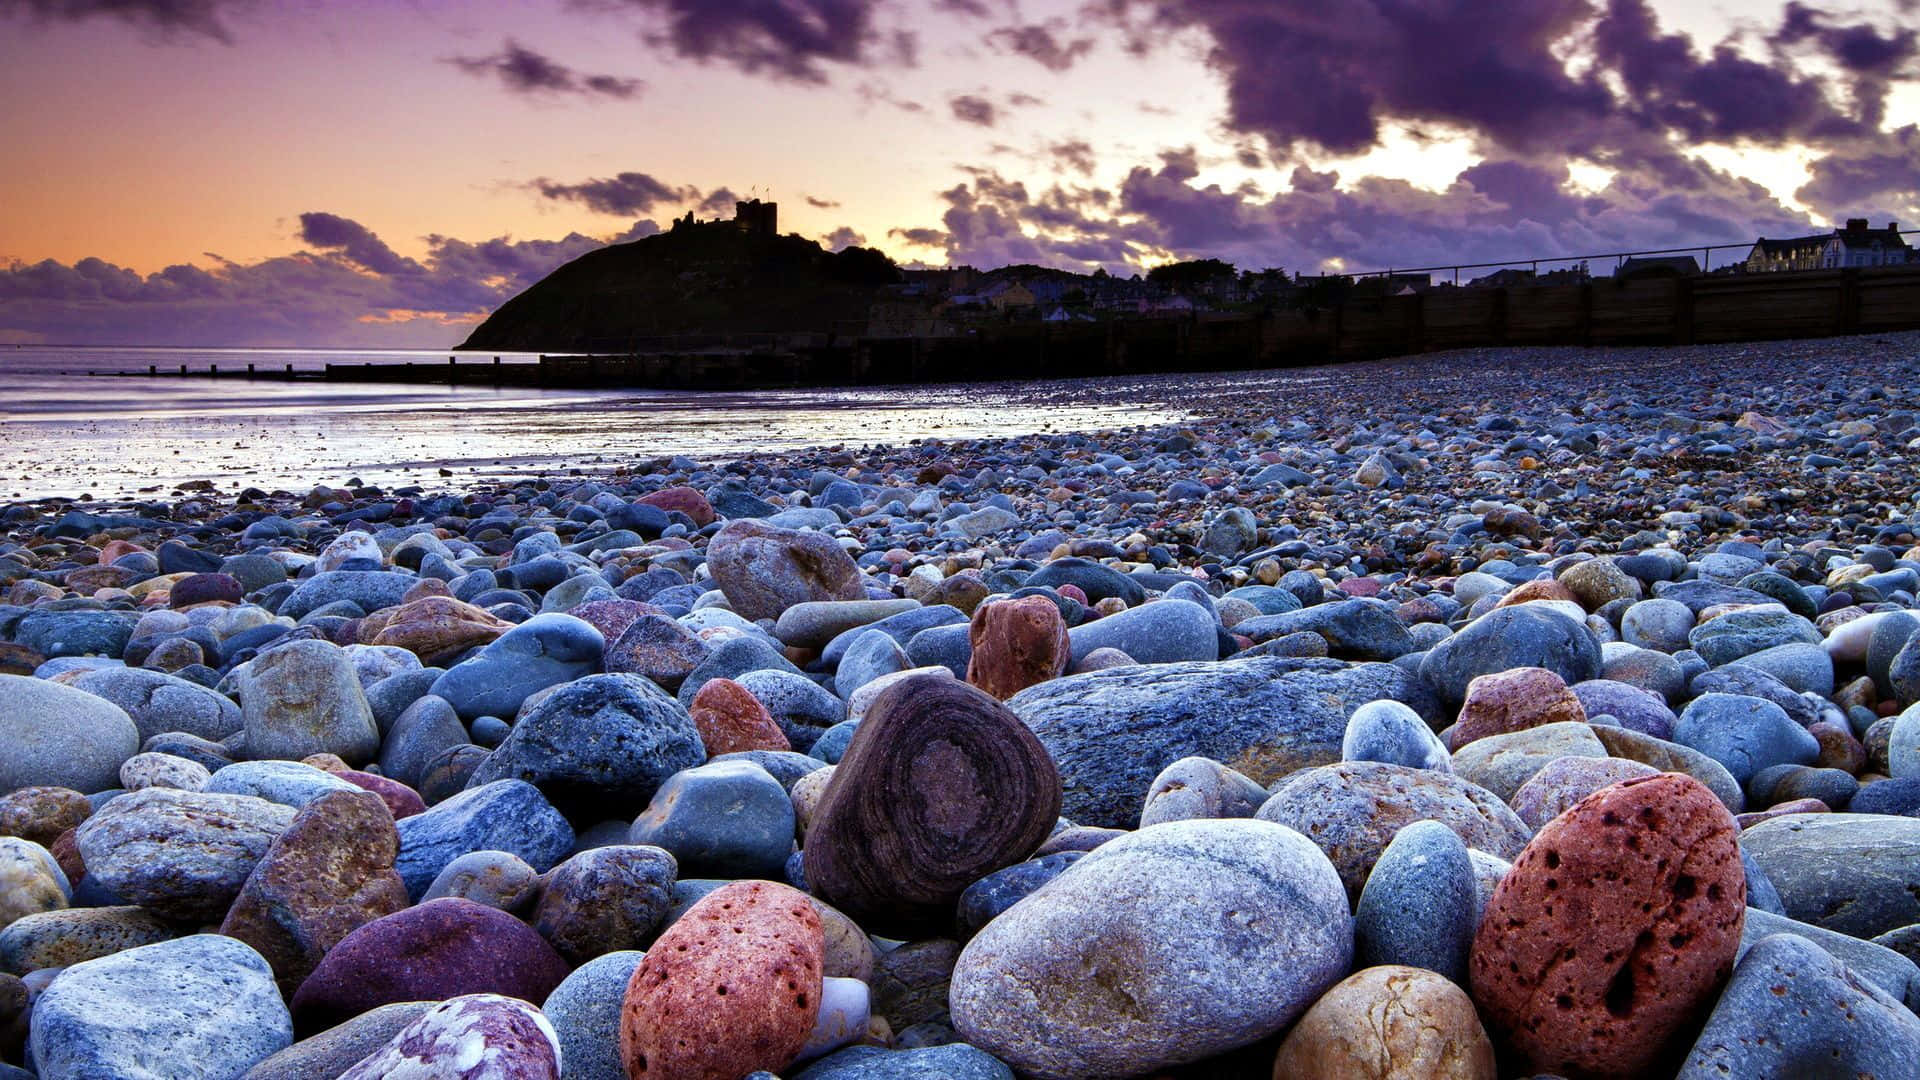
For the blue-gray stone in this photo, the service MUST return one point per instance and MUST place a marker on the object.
(1700, 594)
(506, 815)
(1267, 599)
(1727, 638)
(872, 654)
(1162, 632)
(727, 819)
(1199, 787)
(428, 728)
(58, 736)
(585, 1013)
(803, 708)
(900, 627)
(1881, 964)
(160, 703)
(1418, 905)
(832, 742)
(598, 746)
(1744, 734)
(984, 900)
(1760, 891)
(1111, 732)
(198, 1006)
(541, 652)
(1899, 796)
(1392, 732)
(368, 590)
(1802, 667)
(1524, 635)
(785, 766)
(288, 783)
(950, 647)
(1792, 1011)
(732, 659)
(1857, 874)
(76, 633)
(1359, 629)
(954, 1061)
(1635, 708)
(1890, 635)
(1753, 682)
(1096, 581)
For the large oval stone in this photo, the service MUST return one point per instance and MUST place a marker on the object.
(1388, 1023)
(437, 629)
(200, 1006)
(1111, 732)
(1858, 874)
(1507, 701)
(1352, 810)
(303, 698)
(1613, 931)
(940, 786)
(329, 873)
(441, 949)
(597, 747)
(1166, 946)
(57, 736)
(764, 570)
(732, 987)
(1531, 635)
(184, 854)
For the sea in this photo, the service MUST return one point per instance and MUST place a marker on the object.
(80, 421)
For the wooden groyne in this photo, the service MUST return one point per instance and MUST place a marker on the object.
(1653, 311)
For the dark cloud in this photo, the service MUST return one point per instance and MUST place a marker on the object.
(1499, 209)
(1043, 43)
(1076, 154)
(1025, 101)
(973, 109)
(842, 238)
(920, 237)
(331, 232)
(976, 9)
(789, 39)
(525, 71)
(822, 204)
(627, 195)
(1880, 176)
(350, 290)
(719, 203)
(169, 19)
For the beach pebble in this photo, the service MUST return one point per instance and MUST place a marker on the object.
(1386, 1023)
(303, 698)
(585, 1013)
(733, 986)
(328, 873)
(726, 819)
(940, 786)
(764, 569)
(1392, 732)
(1614, 929)
(65, 936)
(1858, 874)
(597, 746)
(1198, 787)
(474, 1037)
(184, 854)
(1016, 644)
(1164, 947)
(505, 815)
(57, 736)
(1417, 908)
(437, 950)
(543, 651)
(202, 1006)
(1352, 810)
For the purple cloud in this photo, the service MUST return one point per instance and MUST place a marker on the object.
(351, 290)
(973, 109)
(842, 238)
(1042, 43)
(167, 18)
(524, 71)
(789, 39)
(627, 194)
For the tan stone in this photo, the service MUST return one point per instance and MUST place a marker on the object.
(1388, 1023)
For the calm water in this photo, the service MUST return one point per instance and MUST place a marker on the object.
(63, 433)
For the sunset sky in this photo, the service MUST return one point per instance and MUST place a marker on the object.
(359, 173)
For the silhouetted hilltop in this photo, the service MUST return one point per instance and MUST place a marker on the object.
(698, 278)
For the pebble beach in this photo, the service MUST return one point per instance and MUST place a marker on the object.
(1499, 713)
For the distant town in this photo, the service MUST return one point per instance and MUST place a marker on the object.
(943, 301)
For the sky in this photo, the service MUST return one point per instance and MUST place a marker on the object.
(359, 174)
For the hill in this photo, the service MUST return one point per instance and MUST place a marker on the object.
(698, 278)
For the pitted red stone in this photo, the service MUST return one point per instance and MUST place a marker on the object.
(1016, 644)
(1606, 944)
(730, 719)
(731, 988)
(1514, 700)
